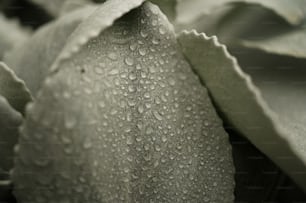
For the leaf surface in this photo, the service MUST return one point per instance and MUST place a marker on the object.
(128, 121)
(16, 35)
(10, 120)
(33, 66)
(13, 88)
(292, 11)
(290, 43)
(265, 125)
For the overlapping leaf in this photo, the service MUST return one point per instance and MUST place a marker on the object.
(290, 43)
(46, 44)
(292, 11)
(10, 120)
(277, 129)
(128, 120)
(13, 89)
(16, 35)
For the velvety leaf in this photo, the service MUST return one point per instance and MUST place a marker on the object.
(127, 121)
(242, 104)
(9, 123)
(291, 43)
(71, 5)
(292, 11)
(167, 6)
(11, 34)
(45, 45)
(13, 89)
(98, 21)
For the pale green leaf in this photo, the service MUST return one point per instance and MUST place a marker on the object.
(290, 43)
(10, 120)
(13, 88)
(276, 130)
(45, 45)
(11, 34)
(127, 121)
(168, 7)
(99, 20)
(293, 11)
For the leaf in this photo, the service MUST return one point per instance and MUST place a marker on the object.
(290, 43)
(16, 35)
(128, 121)
(245, 108)
(292, 11)
(168, 7)
(13, 88)
(33, 66)
(98, 21)
(71, 5)
(10, 120)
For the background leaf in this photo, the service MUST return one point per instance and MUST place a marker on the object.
(13, 89)
(33, 66)
(17, 34)
(245, 108)
(290, 43)
(292, 11)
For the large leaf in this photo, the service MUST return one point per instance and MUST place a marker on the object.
(276, 131)
(128, 121)
(16, 35)
(10, 120)
(292, 11)
(13, 88)
(46, 44)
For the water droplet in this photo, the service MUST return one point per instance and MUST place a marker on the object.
(157, 148)
(132, 76)
(154, 22)
(129, 140)
(149, 130)
(155, 41)
(133, 47)
(157, 115)
(114, 72)
(101, 104)
(129, 61)
(142, 51)
(143, 34)
(171, 81)
(112, 56)
(147, 95)
(132, 88)
(87, 144)
(138, 138)
(140, 109)
(162, 30)
(126, 170)
(70, 122)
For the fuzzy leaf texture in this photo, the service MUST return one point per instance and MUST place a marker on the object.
(260, 112)
(127, 120)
